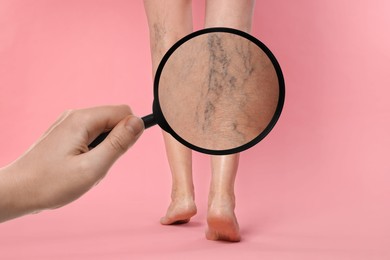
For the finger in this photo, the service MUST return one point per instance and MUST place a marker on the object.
(101, 119)
(120, 139)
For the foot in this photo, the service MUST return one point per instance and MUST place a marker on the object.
(179, 212)
(222, 222)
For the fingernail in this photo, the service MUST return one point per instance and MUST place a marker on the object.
(135, 125)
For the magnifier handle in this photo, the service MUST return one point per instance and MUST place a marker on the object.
(98, 140)
(149, 121)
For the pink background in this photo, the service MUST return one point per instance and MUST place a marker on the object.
(316, 188)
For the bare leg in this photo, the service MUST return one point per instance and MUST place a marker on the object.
(169, 21)
(221, 219)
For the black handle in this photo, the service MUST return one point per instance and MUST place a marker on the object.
(98, 140)
(149, 121)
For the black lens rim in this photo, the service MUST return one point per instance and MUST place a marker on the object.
(161, 121)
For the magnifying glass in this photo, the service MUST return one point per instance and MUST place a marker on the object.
(217, 91)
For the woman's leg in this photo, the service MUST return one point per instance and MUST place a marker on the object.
(169, 21)
(221, 219)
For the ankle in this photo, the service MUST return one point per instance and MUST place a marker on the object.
(222, 200)
(184, 195)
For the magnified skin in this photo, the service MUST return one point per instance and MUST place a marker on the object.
(218, 91)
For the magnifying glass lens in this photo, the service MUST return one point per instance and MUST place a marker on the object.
(219, 91)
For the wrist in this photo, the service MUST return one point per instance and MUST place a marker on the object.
(15, 200)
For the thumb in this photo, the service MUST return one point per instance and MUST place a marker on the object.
(120, 139)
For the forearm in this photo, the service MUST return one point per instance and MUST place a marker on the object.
(13, 199)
